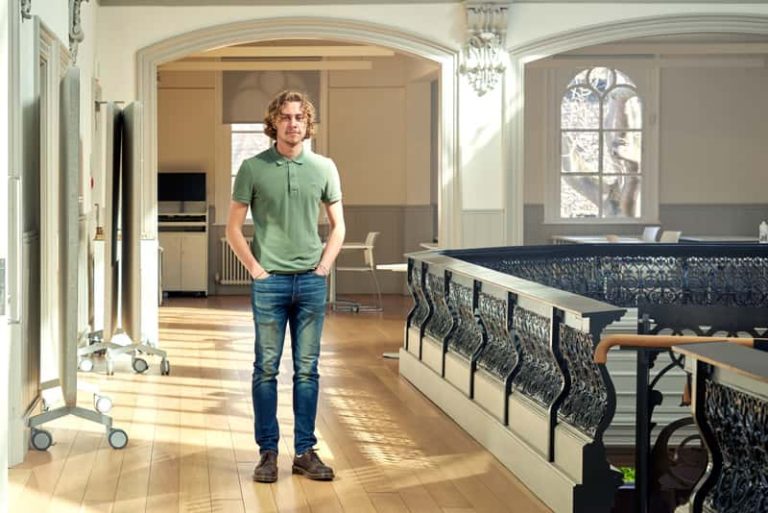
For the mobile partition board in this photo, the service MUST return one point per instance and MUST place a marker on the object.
(130, 290)
(109, 271)
(68, 249)
(122, 220)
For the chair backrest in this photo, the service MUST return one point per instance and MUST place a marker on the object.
(670, 236)
(370, 240)
(650, 233)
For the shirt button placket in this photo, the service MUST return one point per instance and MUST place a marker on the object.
(293, 186)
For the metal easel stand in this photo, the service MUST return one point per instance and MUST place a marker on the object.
(138, 363)
(112, 349)
(41, 440)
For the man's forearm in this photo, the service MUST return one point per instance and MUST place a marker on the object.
(332, 246)
(239, 245)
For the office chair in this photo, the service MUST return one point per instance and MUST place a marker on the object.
(367, 248)
(651, 233)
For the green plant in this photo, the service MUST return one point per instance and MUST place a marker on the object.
(628, 474)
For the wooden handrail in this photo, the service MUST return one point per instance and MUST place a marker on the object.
(659, 342)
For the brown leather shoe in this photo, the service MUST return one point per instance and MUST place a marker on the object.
(310, 465)
(266, 470)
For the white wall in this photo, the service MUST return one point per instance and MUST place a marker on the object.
(125, 30)
(713, 125)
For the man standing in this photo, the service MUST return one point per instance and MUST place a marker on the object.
(288, 263)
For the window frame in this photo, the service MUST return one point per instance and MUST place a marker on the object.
(645, 76)
(257, 129)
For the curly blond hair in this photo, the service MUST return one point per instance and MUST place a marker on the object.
(274, 107)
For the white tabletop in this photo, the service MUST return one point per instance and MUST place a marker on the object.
(398, 268)
(718, 238)
(595, 239)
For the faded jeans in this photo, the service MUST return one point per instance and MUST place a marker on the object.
(299, 301)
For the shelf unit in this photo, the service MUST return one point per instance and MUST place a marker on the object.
(184, 241)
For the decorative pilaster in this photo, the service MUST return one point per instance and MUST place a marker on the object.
(75, 28)
(484, 57)
(26, 9)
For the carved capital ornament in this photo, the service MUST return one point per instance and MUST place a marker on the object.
(484, 57)
(26, 9)
(75, 28)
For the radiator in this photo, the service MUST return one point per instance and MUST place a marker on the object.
(231, 271)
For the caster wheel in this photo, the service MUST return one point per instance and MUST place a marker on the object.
(139, 365)
(41, 439)
(110, 367)
(165, 367)
(117, 438)
(85, 365)
(102, 403)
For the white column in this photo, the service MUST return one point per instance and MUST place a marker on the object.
(9, 155)
(481, 166)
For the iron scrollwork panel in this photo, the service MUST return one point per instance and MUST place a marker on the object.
(467, 336)
(441, 321)
(420, 310)
(728, 281)
(586, 405)
(739, 422)
(500, 354)
(539, 377)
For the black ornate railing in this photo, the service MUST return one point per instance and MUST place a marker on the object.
(538, 341)
(731, 411)
(540, 377)
(466, 337)
(502, 352)
(631, 275)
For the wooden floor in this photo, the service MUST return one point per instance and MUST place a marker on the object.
(191, 442)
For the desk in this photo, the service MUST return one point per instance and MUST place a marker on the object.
(719, 238)
(595, 239)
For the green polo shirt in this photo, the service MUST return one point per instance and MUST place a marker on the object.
(285, 197)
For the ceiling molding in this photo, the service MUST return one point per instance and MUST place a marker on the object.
(641, 27)
(256, 3)
(218, 3)
(298, 51)
(671, 48)
(197, 65)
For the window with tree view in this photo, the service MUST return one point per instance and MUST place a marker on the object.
(601, 142)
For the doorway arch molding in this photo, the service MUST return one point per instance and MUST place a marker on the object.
(722, 23)
(150, 57)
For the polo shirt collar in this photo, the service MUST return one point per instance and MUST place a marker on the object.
(282, 160)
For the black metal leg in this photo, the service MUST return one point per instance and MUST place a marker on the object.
(642, 433)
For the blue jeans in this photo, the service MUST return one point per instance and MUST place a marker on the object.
(299, 301)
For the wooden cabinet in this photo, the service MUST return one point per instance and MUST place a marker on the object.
(185, 257)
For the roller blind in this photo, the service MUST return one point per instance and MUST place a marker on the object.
(247, 93)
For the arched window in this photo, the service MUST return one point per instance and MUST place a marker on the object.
(601, 145)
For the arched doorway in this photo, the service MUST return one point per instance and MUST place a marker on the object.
(148, 59)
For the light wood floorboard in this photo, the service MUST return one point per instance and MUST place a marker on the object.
(191, 445)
